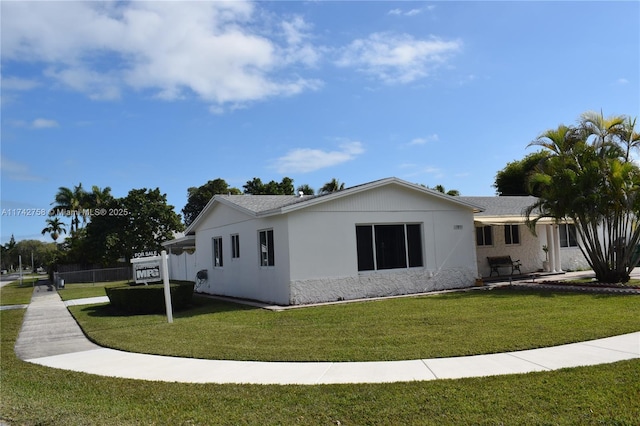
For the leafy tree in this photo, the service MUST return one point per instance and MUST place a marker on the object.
(140, 221)
(256, 187)
(514, 178)
(54, 228)
(305, 189)
(333, 185)
(587, 177)
(198, 197)
(41, 253)
(8, 258)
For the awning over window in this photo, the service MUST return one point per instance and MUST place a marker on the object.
(509, 220)
(178, 244)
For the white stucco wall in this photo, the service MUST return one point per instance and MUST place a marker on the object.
(529, 252)
(243, 277)
(324, 263)
(316, 255)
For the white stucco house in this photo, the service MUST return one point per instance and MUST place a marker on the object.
(500, 230)
(387, 237)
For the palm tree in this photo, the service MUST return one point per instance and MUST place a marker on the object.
(71, 203)
(306, 189)
(604, 131)
(587, 178)
(629, 137)
(333, 185)
(559, 141)
(452, 192)
(54, 227)
(98, 197)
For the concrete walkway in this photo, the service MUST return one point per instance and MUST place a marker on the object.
(51, 337)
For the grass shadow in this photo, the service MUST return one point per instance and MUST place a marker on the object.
(199, 306)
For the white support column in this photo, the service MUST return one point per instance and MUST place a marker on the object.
(556, 248)
(551, 248)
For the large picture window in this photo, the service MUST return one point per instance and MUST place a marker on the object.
(568, 236)
(265, 239)
(389, 246)
(217, 252)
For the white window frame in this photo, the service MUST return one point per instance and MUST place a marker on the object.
(235, 246)
(266, 253)
(566, 228)
(511, 227)
(484, 243)
(406, 246)
(217, 252)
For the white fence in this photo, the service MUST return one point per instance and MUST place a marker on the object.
(182, 267)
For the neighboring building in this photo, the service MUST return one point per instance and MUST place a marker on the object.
(182, 258)
(501, 230)
(383, 238)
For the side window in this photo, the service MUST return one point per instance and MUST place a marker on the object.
(511, 234)
(568, 236)
(484, 236)
(235, 246)
(217, 252)
(265, 242)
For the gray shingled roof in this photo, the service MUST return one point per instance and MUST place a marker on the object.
(501, 206)
(265, 203)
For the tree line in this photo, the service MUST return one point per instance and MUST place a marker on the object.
(583, 172)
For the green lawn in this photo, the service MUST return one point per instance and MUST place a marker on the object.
(35, 395)
(451, 324)
(16, 294)
(83, 290)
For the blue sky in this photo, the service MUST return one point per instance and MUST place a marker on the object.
(173, 94)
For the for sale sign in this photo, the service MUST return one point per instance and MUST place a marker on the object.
(147, 269)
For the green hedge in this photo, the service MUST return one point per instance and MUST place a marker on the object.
(148, 299)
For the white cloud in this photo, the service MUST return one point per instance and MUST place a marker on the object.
(213, 50)
(304, 160)
(622, 80)
(17, 171)
(43, 123)
(421, 141)
(410, 12)
(18, 84)
(397, 58)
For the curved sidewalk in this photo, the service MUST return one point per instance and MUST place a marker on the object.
(51, 337)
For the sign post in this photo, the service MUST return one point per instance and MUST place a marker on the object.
(167, 290)
(152, 269)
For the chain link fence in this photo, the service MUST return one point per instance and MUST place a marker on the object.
(96, 275)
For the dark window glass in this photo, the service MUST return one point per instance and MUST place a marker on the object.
(235, 246)
(511, 234)
(414, 245)
(217, 252)
(568, 235)
(390, 247)
(484, 236)
(364, 241)
(266, 248)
